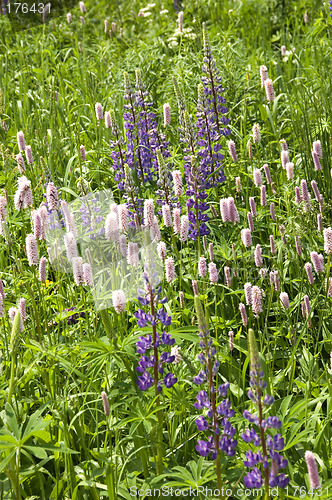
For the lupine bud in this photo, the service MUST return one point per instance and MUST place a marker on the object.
(263, 196)
(176, 220)
(252, 206)
(246, 237)
(177, 181)
(215, 214)
(108, 123)
(308, 268)
(243, 314)
(227, 276)
(290, 170)
(82, 152)
(52, 196)
(258, 256)
(256, 135)
(167, 114)
(264, 75)
(269, 90)
(32, 249)
(317, 163)
(238, 184)
(181, 299)
(272, 212)
(42, 269)
(111, 227)
(211, 252)
(71, 246)
(213, 273)
(99, 111)
(232, 150)
(161, 250)
(256, 295)
(312, 470)
(167, 217)
(202, 267)
(78, 270)
(169, 270)
(87, 274)
(119, 301)
(21, 141)
(327, 240)
(267, 173)
(257, 178)
(247, 293)
(317, 147)
(250, 221)
(231, 340)
(284, 158)
(15, 335)
(106, 404)
(284, 299)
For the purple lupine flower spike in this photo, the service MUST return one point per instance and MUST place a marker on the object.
(261, 471)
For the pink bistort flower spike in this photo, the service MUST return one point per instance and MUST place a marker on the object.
(232, 210)
(111, 227)
(52, 196)
(78, 270)
(317, 147)
(108, 123)
(104, 397)
(312, 470)
(247, 293)
(211, 252)
(167, 114)
(119, 301)
(308, 268)
(243, 313)
(71, 246)
(284, 299)
(317, 162)
(267, 173)
(21, 141)
(319, 222)
(257, 178)
(82, 152)
(272, 244)
(177, 182)
(32, 249)
(232, 150)
(256, 295)
(284, 158)
(258, 256)
(132, 256)
(256, 135)
(149, 212)
(167, 217)
(290, 170)
(269, 90)
(272, 212)
(177, 220)
(123, 217)
(252, 206)
(231, 340)
(99, 111)
(42, 269)
(170, 269)
(161, 250)
(227, 272)
(238, 184)
(246, 237)
(202, 267)
(298, 198)
(213, 273)
(263, 196)
(250, 221)
(327, 240)
(87, 274)
(264, 75)
(184, 228)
